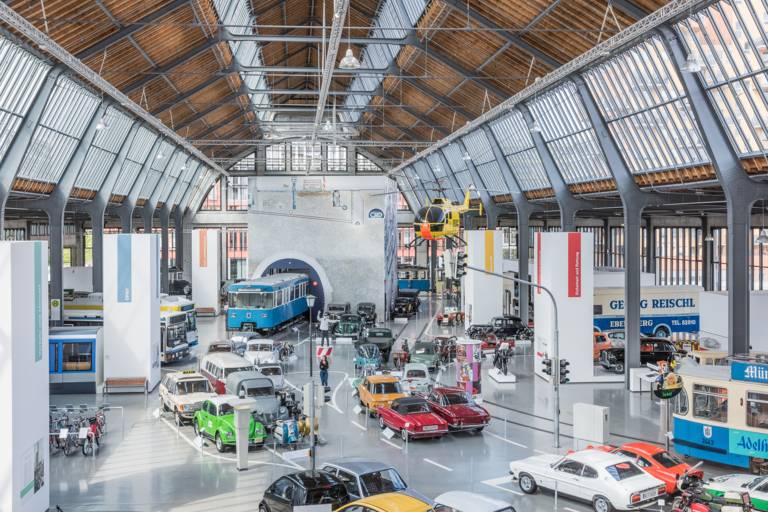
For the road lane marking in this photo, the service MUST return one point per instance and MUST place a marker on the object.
(540, 451)
(332, 404)
(570, 509)
(428, 461)
(390, 443)
(505, 440)
(496, 484)
(361, 427)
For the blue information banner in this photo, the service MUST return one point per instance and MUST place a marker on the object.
(749, 372)
(124, 278)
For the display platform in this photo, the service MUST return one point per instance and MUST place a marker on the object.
(496, 375)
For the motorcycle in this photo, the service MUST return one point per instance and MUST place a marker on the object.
(692, 497)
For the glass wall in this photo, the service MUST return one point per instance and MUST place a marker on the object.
(679, 256)
(237, 193)
(213, 199)
(406, 249)
(237, 253)
(598, 242)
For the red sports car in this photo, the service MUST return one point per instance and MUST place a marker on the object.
(655, 461)
(412, 418)
(455, 407)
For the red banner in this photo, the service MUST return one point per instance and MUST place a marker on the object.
(538, 262)
(574, 264)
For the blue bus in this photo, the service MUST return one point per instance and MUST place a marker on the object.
(266, 303)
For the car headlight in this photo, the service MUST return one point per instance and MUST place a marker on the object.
(283, 410)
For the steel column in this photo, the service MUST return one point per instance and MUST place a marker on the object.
(165, 215)
(56, 255)
(706, 269)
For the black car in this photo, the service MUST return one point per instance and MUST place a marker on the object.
(304, 488)
(479, 331)
(367, 310)
(403, 307)
(508, 326)
(652, 350)
(411, 294)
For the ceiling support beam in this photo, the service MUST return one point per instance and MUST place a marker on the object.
(131, 29)
(185, 95)
(630, 8)
(155, 72)
(311, 40)
(569, 205)
(216, 126)
(413, 113)
(201, 114)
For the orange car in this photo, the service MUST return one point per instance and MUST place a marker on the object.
(602, 342)
(655, 461)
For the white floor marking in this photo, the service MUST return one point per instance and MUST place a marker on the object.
(496, 484)
(505, 440)
(332, 404)
(230, 459)
(361, 427)
(428, 461)
(570, 509)
(390, 443)
(291, 384)
(297, 466)
(541, 451)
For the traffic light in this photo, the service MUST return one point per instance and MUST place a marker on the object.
(564, 371)
(547, 366)
(461, 265)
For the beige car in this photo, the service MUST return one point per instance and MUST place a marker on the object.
(183, 393)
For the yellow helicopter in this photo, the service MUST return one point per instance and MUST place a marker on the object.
(442, 218)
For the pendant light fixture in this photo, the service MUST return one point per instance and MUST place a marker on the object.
(709, 238)
(349, 61)
(692, 64)
(102, 124)
(535, 127)
(466, 157)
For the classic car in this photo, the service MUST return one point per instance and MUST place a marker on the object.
(258, 351)
(304, 488)
(510, 327)
(266, 405)
(349, 325)
(757, 486)
(183, 393)
(403, 307)
(239, 342)
(658, 462)
(411, 294)
(219, 346)
(600, 343)
(652, 350)
(415, 378)
(367, 311)
(412, 418)
(367, 358)
(364, 478)
(389, 502)
(376, 391)
(424, 352)
(463, 501)
(458, 409)
(381, 337)
(275, 373)
(335, 310)
(216, 420)
(479, 331)
(606, 480)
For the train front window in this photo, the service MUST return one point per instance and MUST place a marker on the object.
(710, 403)
(77, 357)
(251, 300)
(757, 410)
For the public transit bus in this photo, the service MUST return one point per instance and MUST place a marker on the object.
(173, 336)
(665, 311)
(721, 414)
(266, 303)
(180, 303)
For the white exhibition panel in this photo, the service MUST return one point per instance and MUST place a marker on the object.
(132, 307)
(79, 279)
(206, 269)
(606, 277)
(563, 264)
(24, 453)
(713, 309)
(483, 295)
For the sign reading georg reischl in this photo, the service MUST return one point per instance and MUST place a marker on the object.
(750, 372)
(376, 213)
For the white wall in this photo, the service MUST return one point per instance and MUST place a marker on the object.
(206, 269)
(332, 219)
(132, 306)
(483, 295)
(615, 278)
(713, 310)
(563, 264)
(24, 456)
(79, 279)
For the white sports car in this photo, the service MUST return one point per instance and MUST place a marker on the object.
(608, 481)
(756, 486)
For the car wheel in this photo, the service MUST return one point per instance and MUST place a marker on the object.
(661, 332)
(601, 504)
(404, 435)
(619, 368)
(178, 419)
(479, 429)
(381, 423)
(527, 483)
(195, 427)
(263, 508)
(219, 443)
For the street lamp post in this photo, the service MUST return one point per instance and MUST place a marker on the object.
(310, 305)
(555, 350)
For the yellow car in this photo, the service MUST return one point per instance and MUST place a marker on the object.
(389, 502)
(379, 391)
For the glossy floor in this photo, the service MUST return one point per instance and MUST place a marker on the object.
(147, 464)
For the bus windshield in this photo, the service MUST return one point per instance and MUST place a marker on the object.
(251, 300)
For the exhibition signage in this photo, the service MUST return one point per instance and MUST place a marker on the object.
(749, 372)
(751, 444)
(203, 246)
(574, 264)
(124, 277)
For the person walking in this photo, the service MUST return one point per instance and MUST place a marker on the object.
(324, 364)
(322, 317)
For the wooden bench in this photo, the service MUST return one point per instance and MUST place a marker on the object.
(126, 383)
(205, 311)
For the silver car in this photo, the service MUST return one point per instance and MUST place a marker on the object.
(364, 478)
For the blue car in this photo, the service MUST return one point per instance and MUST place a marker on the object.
(368, 357)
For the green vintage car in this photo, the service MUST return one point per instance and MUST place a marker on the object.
(382, 338)
(216, 420)
(350, 326)
(424, 352)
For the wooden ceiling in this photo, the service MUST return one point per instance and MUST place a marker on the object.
(469, 56)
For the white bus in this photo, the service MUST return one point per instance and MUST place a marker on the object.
(665, 311)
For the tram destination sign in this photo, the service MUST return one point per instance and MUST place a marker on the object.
(749, 372)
